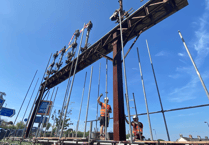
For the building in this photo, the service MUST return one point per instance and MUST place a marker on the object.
(190, 138)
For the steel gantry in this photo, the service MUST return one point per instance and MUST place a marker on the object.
(151, 13)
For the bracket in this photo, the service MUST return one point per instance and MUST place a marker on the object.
(107, 57)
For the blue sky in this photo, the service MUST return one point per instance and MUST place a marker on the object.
(32, 30)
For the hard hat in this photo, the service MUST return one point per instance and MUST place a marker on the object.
(134, 117)
(106, 98)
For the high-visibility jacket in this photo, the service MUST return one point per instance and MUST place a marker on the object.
(137, 128)
(103, 107)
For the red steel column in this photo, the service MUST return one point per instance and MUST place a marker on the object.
(118, 102)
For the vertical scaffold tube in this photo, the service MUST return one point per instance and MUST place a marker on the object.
(198, 73)
(136, 114)
(126, 86)
(44, 117)
(52, 105)
(39, 124)
(54, 122)
(25, 96)
(98, 96)
(39, 91)
(71, 86)
(29, 100)
(81, 105)
(106, 102)
(87, 109)
(166, 127)
(135, 105)
(27, 107)
(67, 88)
(145, 97)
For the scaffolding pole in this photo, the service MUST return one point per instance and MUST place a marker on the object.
(81, 105)
(33, 118)
(87, 109)
(126, 86)
(48, 107)
(98, 95)
(145, 97)
(50, 112)
(67, 88)
(106, 101)
(158, 92)
(71, 86)
(25, 96)
(198, 73)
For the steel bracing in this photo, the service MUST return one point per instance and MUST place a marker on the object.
(151, 13)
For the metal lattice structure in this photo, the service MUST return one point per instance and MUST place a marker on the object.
(151, 13)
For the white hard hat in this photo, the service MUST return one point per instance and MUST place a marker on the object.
(134, 117)
(106, 98)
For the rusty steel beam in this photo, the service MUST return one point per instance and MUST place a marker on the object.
(118, 102)
(157, 10)
(107, 57)
(151, 13)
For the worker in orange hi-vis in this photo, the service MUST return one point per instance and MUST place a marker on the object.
(137, 128)
(102, 113)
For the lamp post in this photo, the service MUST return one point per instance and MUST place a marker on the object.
(207, 123)
(155, 133)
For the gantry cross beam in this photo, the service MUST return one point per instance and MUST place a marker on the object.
(142, 19)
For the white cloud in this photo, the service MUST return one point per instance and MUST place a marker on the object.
(201, 45)
(182, 61)
(207, 4)
(189, 114)
(175, 76)
(180, 54)
(162, 53)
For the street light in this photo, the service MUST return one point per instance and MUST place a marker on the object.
(155, 133)
(207, 123)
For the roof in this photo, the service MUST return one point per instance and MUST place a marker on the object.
(194, 139)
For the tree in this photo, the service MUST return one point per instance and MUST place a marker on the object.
(48, 126)
(59, 118)
(20, 125)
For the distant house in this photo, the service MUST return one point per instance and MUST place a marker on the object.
(190, 138)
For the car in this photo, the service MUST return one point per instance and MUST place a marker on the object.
(2, 133)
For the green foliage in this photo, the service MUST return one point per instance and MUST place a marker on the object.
(58, 117)
(20, 125)
(8, 127)
(47, 126)
(80, 134)
(161, 140)
(53, 131)
(128, 135)
(11, 127)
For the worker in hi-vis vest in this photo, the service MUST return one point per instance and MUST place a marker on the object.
(137, 128)
(102, 113)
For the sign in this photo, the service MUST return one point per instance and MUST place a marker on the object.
(25, 119)
(43, 107)
(1, 102)
(39, 119)
(7, 112)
